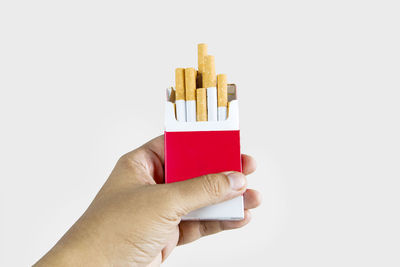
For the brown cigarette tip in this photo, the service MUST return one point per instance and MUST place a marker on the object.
(190, 83)
(201, 104)
(209, 78)
(180, 83)
(222, 89)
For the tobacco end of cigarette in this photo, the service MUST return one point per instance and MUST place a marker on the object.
(201, 104)
(190, 83)
(222, 88)
(180, 83)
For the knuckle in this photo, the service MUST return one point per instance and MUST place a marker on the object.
(204, 229)
(129, 161)
(212, 185)
(124, 160)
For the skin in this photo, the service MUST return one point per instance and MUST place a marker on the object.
(135, 219)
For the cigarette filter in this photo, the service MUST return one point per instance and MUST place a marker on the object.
(209, 82)
(209, 78)
(190, 84)
(222, 96)
(201, 53)
(180, 94)
(201, 104)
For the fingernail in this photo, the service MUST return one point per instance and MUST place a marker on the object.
(236, 180)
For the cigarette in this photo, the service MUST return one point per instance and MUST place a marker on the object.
(201, 53)
(222, 89)
(209, 82)
(180, 94)
(190, 85)
(201, 104)
(171, 98)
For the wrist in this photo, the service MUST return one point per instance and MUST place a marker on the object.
(75, 248)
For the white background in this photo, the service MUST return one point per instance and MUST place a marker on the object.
(82, 82)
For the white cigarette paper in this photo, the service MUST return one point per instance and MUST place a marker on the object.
(191, 110)
(212, 104)
(180, 110)
(221, 113)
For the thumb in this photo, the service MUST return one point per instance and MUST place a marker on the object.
(206, 190)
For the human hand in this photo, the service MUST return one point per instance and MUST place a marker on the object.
(135, 219)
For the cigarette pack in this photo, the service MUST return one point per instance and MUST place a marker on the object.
(197, 148)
